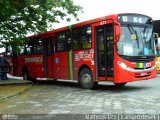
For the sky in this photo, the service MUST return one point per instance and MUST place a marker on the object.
(99, 8)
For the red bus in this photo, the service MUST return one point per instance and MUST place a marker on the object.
(119, 48)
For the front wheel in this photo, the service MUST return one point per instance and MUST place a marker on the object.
(86, 80)
(120, 84)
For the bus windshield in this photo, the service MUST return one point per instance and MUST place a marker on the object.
(136, 41)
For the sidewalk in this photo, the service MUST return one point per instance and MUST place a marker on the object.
(14, 81)
(13, 87)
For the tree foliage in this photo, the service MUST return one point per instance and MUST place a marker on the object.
(20, 17)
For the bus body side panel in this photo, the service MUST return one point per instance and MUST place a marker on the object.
(60, 65)
(21, 64)
(94, 48)
(83, 58)
(33, 64)
(50, 66)
(36, 66)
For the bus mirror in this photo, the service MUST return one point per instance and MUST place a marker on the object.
(117, 31)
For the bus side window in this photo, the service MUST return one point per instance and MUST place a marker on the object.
(37, 46)
(60, 41)
(9, 51)
(77, 32)
(82, 38)
(68, 40)
(63, 41)
(22, 50)
(28, 48)
(49, 46)
(88, 40)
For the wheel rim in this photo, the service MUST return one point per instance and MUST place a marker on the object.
(86, 79)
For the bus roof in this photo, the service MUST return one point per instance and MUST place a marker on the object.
(113, 16)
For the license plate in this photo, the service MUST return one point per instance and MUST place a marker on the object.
(142, 74)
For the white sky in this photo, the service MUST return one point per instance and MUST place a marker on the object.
(98, 8)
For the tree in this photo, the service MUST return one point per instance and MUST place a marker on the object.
(20, 17)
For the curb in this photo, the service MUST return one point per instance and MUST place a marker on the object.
(16, 94)
(12, 82)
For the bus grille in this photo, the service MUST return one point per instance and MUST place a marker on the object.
(142, 68)
(141, 75)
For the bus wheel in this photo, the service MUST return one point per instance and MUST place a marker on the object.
(25, 75)
(34, 80)
(86, 79)
(120, 84)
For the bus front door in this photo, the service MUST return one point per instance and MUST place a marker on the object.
(104, 50)
(48, 48)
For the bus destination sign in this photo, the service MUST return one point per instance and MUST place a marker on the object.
(134, 18)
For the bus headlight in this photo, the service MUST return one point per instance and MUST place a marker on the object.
(127, 68)
(124, 66)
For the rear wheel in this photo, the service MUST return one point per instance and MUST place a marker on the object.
(120, 84)
(25, 75)
(86, 79)
(34, 80)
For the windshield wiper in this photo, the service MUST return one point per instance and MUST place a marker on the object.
(132, 31)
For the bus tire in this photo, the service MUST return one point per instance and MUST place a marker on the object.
(120, 84)
(86, 79)
(25, 75)
(34, 80)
